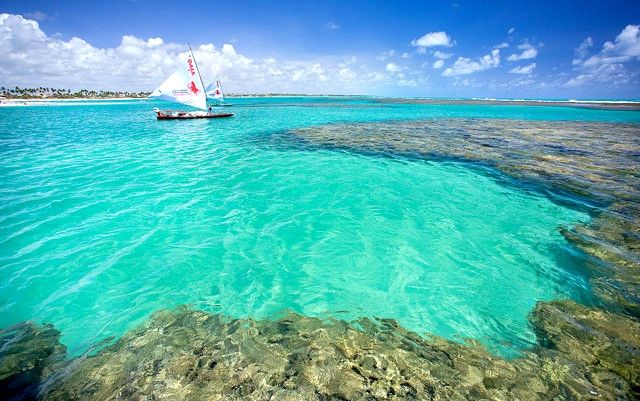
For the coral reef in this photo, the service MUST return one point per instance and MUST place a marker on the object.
(192, 355)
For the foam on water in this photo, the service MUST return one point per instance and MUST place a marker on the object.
(107, 215)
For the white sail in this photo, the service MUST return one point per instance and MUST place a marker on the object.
(184, 86)
(214, 91)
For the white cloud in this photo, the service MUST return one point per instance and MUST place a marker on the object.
(524, 69)
(154, 42)
(528, 52)
(511, 30)
(607, 66)
(332, 26)
(433, 39)
(392, 67)
(442, 55)
(464, 65)
(606, 73)
(502, 45)
(32, 58)
(438, 64)
(405, 55)
(625, 47)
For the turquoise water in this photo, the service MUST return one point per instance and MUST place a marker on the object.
(107, 215)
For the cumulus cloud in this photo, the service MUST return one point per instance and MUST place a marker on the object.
(32, 58)
(607, 66)
(625, 47)
(464, 66)
(524, 69)
(438, 64)
(528, 52)
(502, 45)
(433, 39)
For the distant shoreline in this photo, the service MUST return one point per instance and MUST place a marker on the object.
(16, 102)
(588, 104)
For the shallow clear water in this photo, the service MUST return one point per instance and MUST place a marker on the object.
(107, 215)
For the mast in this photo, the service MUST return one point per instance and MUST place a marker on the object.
(197, 68)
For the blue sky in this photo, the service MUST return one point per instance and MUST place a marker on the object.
(401, 48)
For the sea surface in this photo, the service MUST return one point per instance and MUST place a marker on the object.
(107, 215)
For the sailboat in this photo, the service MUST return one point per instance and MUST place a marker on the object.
(185, 86)
(214, 91)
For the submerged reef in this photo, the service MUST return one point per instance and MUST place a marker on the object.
(193, 355)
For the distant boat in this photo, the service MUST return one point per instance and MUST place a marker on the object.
(214, 91)
(185, 86)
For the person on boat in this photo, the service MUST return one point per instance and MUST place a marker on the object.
(209, 112)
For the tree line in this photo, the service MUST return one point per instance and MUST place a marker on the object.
(59, 93)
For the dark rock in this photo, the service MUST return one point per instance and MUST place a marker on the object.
(29, 353)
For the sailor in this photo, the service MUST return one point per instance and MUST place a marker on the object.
(209, 112)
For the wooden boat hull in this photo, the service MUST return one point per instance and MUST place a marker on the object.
(189, 116)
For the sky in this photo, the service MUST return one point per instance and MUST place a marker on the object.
(485, 49)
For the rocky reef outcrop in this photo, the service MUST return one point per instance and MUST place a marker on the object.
(193, 355)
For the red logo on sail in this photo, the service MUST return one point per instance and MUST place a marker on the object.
(192, 70)
(193, 88)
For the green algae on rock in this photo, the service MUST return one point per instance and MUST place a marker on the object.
(193, 355)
